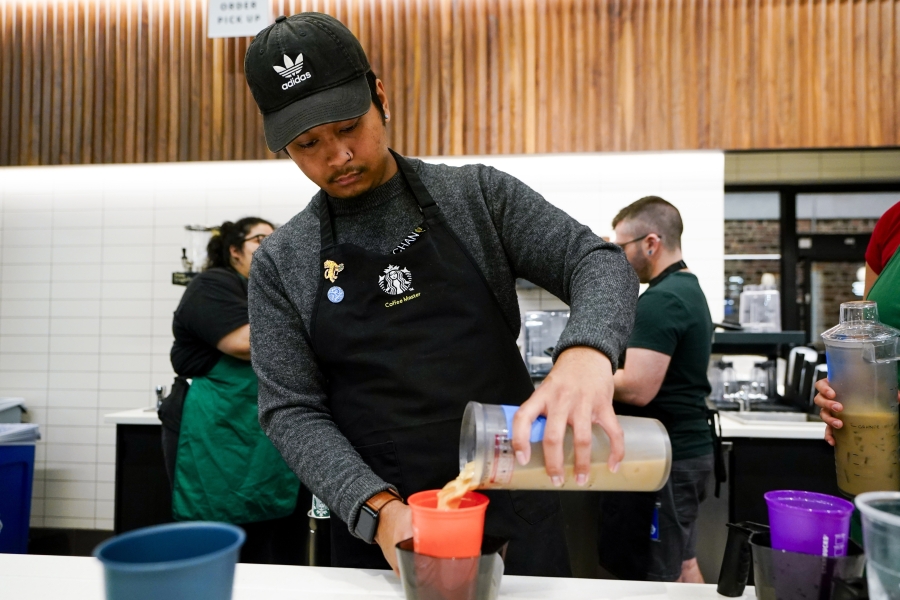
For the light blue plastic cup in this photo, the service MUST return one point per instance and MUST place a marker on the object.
(175, 561)
(881, 533)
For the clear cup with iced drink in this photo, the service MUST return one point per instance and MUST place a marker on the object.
(486, 448)
(862, 369)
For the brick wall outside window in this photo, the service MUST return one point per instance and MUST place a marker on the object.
(833, 280)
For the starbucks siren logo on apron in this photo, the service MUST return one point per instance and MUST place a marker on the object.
(395, 280)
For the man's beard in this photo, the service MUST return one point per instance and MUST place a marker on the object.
(643, 268)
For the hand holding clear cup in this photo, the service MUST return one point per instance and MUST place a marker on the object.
(829, 407)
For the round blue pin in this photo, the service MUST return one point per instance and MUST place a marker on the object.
(335, 294)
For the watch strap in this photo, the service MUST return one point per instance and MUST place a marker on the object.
(367, 522)
(379, 500)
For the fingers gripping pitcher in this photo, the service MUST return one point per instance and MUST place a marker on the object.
(862, 369)
(486, 447)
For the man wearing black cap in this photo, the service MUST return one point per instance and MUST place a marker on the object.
(389, 302)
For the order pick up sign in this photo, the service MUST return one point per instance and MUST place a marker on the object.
(237, 18)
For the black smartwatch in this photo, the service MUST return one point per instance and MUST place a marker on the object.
(367, 523)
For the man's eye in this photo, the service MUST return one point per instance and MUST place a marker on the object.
(350, 128)
(306, 145)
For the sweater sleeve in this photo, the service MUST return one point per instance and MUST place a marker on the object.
(293, 407)
(551, 249)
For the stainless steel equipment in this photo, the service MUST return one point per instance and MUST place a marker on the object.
(542, 331)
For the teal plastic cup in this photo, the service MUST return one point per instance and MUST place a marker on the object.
(881, 534)
(175, 561)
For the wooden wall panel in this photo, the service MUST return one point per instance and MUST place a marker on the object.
(104, 81)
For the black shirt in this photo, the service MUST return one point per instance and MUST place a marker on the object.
(673, 318)
(213, 305)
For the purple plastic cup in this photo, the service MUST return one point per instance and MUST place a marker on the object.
(808, 522)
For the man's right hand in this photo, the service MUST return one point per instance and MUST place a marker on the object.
(825, 401)
(394, 526)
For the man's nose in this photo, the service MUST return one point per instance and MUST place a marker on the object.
(340, 154)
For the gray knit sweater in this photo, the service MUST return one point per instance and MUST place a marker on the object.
(510, 231)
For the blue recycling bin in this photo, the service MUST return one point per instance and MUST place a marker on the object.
(16, 478)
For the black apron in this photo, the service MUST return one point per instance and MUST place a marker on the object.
(405, 342)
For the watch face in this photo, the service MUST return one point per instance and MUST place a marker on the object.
(367, 524)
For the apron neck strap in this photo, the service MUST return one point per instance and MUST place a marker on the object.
(326, 224)
(668, 271)
(423, 198)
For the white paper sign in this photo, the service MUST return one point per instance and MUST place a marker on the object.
(237, 18)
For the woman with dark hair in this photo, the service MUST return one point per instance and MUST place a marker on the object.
(225, 468)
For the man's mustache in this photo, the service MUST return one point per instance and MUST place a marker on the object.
(345, 172)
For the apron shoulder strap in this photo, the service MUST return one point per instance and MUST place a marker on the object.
(325, 223)
(423, 196)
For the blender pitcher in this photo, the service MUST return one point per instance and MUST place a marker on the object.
(862, 354)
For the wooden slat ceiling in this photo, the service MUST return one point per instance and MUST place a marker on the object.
(106, 81)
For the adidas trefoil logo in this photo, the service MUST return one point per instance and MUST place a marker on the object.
(290, 69)
(290, 66)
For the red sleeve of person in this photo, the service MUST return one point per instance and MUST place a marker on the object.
(885, 239)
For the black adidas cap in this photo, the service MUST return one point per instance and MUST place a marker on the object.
(304, 71)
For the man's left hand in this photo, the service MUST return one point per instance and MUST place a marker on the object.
(578, 392)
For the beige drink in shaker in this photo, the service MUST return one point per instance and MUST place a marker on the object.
(486, 441)
(862, 369)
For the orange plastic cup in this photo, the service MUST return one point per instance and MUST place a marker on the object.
(448, 533)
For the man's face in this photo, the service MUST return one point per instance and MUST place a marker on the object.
(346, 158)
(634, 250)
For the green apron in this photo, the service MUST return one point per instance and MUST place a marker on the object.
(226, 468)
(886, 292)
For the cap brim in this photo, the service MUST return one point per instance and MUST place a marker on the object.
(346, 101)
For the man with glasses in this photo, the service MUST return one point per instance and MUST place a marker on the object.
(652, 536)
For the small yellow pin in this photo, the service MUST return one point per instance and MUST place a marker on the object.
(332, 269)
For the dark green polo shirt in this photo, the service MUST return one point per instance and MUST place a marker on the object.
(673, 318)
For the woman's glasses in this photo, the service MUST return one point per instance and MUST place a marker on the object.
(258, 238)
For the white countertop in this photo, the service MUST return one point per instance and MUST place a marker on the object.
(27, 577)
(137, 416)
(732, 428)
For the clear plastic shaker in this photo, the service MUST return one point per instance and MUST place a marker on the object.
(486, 440)
(862, 370)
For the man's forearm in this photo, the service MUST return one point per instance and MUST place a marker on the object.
(548, 247)
(323, 459)
(627, 392)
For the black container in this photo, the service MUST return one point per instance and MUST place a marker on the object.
(783, 575)
(430, 578)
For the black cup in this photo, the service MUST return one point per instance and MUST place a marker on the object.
(431, 578)
(783, 575)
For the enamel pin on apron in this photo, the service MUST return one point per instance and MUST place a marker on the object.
(335, 294)
(332, 269)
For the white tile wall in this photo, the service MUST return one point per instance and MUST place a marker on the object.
(86, 256)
